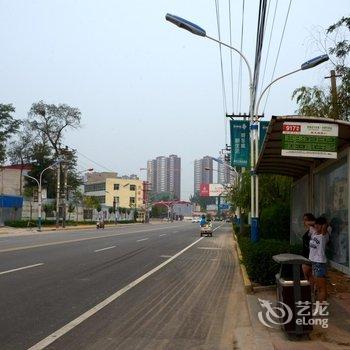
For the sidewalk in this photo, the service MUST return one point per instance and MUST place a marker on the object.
(335, 337)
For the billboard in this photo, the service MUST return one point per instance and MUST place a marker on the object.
(211, 190)
(204, 190)
(317, 140)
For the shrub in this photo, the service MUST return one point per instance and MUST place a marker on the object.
(257, 257)
(274, 221)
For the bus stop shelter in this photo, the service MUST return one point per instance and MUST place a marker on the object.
(320, 181)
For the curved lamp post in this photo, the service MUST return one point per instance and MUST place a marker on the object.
(254, 122)
(39, 182)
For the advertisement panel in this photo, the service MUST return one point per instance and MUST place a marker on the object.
(211, 190)
(240, 141)
(215, 190)
(204, 190)
(301, 139)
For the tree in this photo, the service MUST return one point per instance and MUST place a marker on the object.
(273, 189)
(163, 196)
(52, 121)
(8, 126)
(39, 143)
(201, 201)
(319, 102)
(77, 199)
(71, 208)
(48, 209)
(90, 202)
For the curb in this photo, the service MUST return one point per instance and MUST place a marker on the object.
(247, 283)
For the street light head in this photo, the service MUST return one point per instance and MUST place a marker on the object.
(314, 62)
(184, 24)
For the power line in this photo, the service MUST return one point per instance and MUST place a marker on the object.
(231, 54)
(91, 160)
(259, 45)
(269, 45)
(278, 52)
(217, 8)
(239, 87)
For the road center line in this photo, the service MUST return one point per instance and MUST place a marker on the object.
(69, 326)
(100, 250)
(21, 268)
(143, 239)
(163, 234)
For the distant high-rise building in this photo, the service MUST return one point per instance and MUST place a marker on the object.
(151, 175)
(225, 175)
(203, 172)
(164, 175)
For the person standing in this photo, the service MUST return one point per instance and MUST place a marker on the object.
(309, 221)
(318, 240)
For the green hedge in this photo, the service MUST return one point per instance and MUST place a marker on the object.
(274, 221)
(257, 257)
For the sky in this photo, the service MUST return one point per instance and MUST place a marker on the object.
(144, 86)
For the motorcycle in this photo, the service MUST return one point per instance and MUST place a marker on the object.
(100, 224)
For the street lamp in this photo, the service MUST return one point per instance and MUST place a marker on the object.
(254, 121)
(40, 190)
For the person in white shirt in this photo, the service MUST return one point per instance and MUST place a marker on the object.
(318, 240)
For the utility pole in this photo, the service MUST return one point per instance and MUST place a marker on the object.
(58, 190)
(65, 152)
(333, 76)
(65, 194)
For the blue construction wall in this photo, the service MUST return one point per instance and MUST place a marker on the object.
(11, 201)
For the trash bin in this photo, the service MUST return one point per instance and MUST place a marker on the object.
(294, 291)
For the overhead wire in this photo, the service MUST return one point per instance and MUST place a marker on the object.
(217, 8)
(278, 52)
(239, 85)
(231, 54)
(91, 160)
(259, 46)
(269, 44)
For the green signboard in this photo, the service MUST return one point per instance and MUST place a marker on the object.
(240, 141)
(319, 140)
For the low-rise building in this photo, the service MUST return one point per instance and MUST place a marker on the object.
(126, 192)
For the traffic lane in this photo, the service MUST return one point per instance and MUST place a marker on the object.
(19, 258)
(53, 238)
(56, 293)
(182, 306)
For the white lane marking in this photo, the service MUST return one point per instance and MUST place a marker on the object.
(21, 268)
(164, 234)
(69, 326)
(78, 240)
(166, 256)
(100, 250)
(143, 239)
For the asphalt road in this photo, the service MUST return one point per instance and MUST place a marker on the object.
(113, 285)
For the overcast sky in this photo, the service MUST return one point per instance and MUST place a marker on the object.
(144, 87)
